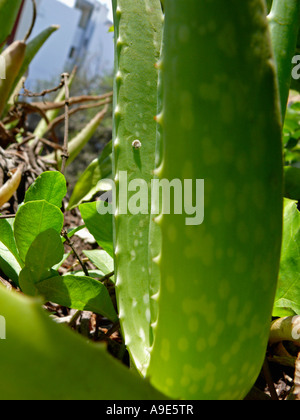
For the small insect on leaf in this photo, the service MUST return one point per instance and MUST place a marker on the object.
(136, 144)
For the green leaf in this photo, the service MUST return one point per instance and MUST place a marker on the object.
(102, 260)
(33, 218)
(50, 186)
(88, 183)
(138, 35)
(292, 183)
(8, 240)
(37, 348)
(287, 301)
(99, 225)
(28, 279)
(45, 251)
(60, 263)
(82, 293)
(95, 274)
(8, 13)
(9, 265)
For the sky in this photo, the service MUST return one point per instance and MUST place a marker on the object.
(107, 2)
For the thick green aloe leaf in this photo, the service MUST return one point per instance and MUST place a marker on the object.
(36, 349)
(82, 293)
(99, 225)
(221, 125)
(88, 183)
(138, 30)
(287, 301)
(8, 13)
(50, 186)
(33, 218)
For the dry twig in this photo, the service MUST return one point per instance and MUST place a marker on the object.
(65, 154)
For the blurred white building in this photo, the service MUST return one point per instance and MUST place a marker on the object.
(83, 38)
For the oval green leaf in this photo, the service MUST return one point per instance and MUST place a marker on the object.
(82, 293)
(45, 251)
(9, 265)
(8, 240)
(50, 186)
(33, 218)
